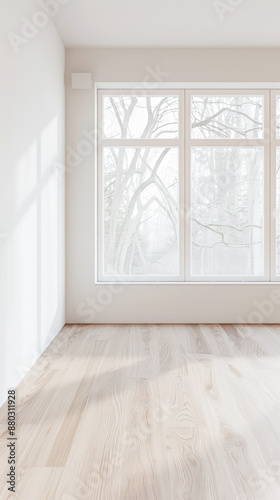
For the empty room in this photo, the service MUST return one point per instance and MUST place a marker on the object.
(140, 250)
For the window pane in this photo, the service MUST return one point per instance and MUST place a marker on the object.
(278, 117)
(226, 117)
(140, 117)
(278, 211)
(227, 211)
(141, 211)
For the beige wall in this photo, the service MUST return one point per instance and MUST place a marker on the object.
(87, 302)
(181, 65)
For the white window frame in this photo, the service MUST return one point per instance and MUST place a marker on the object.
(189, 143)
(102, 142)
(184, 143)
(275, 143)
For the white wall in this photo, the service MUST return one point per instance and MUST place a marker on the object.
(32, 201)
(87, 302)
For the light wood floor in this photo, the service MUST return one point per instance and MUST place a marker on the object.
(154, 412)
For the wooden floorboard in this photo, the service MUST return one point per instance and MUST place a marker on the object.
(150, 412)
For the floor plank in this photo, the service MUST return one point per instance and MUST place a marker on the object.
(154, 412)
(35, 483)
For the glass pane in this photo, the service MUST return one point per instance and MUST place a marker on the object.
(278, 212)
(226, 117)
(227, 211)
(141, 211)
(278, 117)
(140, 117)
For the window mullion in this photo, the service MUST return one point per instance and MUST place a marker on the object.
(187, 187)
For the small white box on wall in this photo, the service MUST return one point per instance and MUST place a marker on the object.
(82, 81)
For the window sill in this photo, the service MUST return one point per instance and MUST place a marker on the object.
(182, 283)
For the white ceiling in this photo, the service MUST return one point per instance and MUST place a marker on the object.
(169, 23)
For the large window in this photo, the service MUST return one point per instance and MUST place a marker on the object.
(188, 186)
